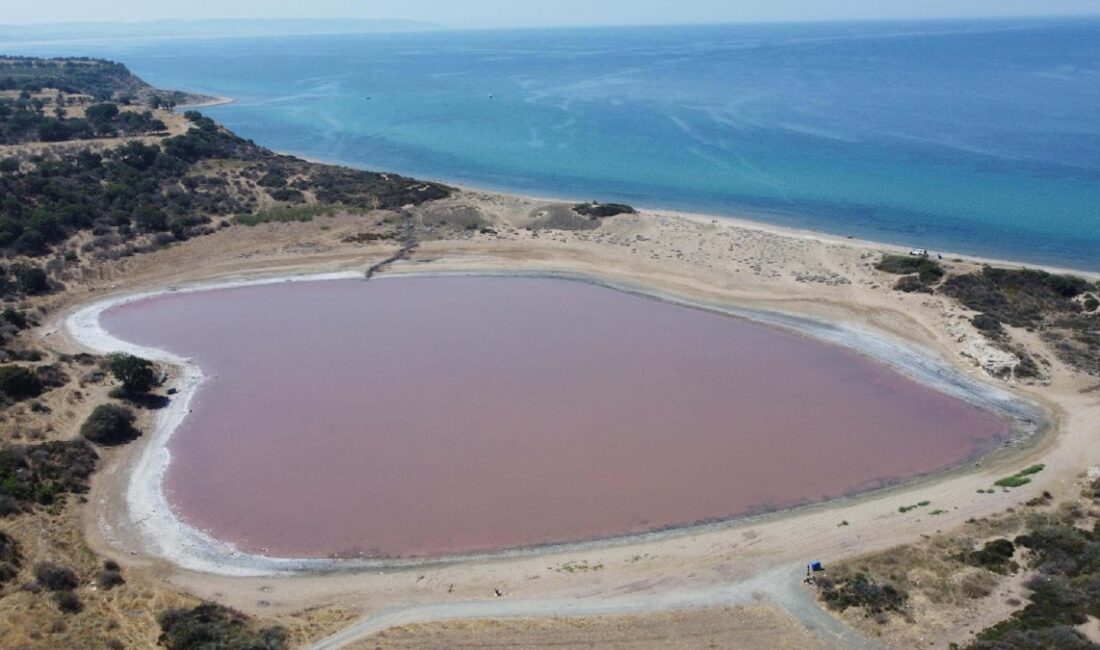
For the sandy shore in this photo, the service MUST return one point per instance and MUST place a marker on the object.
(802, 280)
(211, 100)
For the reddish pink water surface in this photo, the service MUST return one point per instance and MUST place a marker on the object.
(429, 416)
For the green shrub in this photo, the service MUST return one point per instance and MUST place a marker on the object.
(136, 374)
(987, 323)
(68, 602)
(30, 280)
(19, 383)
(862, 592)
(110, 424)
(10, 558)
(602, 210)
(1022, 477)
(911, 284)
(213, 627)
(996, 556)
(42, 473)
(928, 271)
(54, 577)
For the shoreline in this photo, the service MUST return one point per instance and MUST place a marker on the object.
(160, 533)
(739, 219)
(211, 100)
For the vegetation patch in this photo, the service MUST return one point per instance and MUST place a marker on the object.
(995, 556)
(11, 559)
(905, 509)
(862, 592)
(602, 210)
(110, 425)
(110, 576)
(210, 626)
(18, 383)
(137, 375)
(41, 474)
(1058, 306)
(1020, 478)
(927, 270)
(286, 214)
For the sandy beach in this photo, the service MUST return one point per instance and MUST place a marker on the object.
(822, 285)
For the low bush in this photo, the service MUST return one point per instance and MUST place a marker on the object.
(1022, 477)
(54, 577)
(108, 579)
(10, 558)
(19, 383)
(602, 210)
(210, 626)
(110, 425)
(928, 271)
(68, 602)
(988, 324)
(860, 591)
(911, 284)
(995, 556)
(41, 474)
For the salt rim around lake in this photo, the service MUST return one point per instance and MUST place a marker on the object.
(161, 533)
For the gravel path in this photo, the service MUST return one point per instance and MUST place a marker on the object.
(782, 587)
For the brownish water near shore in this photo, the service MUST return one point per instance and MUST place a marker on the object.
(428, 416)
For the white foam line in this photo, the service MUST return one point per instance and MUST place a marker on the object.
(161, 533)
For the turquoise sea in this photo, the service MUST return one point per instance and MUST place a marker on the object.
(980, 137)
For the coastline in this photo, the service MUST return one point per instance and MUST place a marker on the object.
(210, 100)
(741, 220)
(162, 534)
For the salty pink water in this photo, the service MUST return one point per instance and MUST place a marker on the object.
(430, 416)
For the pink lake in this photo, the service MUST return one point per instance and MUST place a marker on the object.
(446, 415)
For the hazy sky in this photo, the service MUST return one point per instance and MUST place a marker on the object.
(472, 13)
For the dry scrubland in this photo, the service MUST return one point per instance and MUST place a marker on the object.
(192, 203)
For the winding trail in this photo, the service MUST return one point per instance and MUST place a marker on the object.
(781, 586)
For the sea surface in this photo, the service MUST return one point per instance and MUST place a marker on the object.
(980, 137)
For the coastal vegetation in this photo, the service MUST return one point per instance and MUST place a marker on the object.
(602, 210)
(19, 383)
(110, 425)
(1020, 478)
(1062, 308)
(1058, 546)
(139, 196)
(209, 626)
(42, 474)
(11, 559)
(138, 376)
(102, 80)
(919, 273)
(31, 119)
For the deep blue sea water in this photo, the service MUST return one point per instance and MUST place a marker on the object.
(980, 137)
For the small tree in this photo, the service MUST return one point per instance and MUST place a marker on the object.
(137, 375)
(109, 425)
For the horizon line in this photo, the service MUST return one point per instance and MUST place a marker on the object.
(433, 26)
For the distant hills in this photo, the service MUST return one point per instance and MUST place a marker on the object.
(209, 28)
